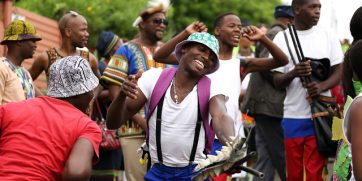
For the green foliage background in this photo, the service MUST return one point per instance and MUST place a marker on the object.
(118, 15)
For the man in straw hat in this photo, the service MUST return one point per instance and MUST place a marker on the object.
(44, 143)
(174, 145)
(16, 83)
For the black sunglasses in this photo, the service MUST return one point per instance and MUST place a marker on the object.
(159, 21)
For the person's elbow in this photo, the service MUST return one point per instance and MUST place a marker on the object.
(77, 173)
(283, 60)
(278, 80)
(158, 57)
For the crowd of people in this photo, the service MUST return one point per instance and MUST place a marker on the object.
(172, 104)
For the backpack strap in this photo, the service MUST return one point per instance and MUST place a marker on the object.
(160, 88)
(203, 92)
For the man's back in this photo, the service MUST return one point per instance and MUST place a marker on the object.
(37, 142)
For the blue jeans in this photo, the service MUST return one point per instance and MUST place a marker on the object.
(161, 172)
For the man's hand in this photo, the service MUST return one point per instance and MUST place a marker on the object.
(252, 33)
(314, 89)
(129, 87)
(302, 69)
(196, 26)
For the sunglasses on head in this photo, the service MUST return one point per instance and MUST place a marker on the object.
(159, 21)
(73, 13)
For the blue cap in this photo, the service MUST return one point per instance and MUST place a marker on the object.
(105, 43)
(283, 11)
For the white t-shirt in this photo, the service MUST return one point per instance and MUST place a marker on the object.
(316, 43)
(177, 126)
(227, 80)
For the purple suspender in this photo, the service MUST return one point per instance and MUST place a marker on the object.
(203, 92)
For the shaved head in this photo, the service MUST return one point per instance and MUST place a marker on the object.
(68, 20)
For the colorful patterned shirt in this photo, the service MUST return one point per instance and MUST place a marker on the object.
(17, 84)
(128, 60)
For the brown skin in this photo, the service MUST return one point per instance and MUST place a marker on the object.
(354, 134)
(131, 99)
(164, 54)
(18, 51)
(81, 102)
(307, 16)
(150, 35)
(74, 34)
(228, 34)
(79, 164)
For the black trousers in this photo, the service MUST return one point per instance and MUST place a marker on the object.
(269, 142)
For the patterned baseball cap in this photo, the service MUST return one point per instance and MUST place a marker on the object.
(203, 38)
(20, 30)
(71, 76)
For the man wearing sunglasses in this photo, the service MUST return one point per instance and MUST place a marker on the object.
(136, 55)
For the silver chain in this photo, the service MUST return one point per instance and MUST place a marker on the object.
(174, 91)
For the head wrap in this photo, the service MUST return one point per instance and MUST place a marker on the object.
(20, 30)
(71, 76)
(106, 42)
(154, 6)
(203, 38)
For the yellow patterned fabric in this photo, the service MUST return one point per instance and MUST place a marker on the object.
(20, 30)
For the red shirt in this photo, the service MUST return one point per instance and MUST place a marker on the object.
(37, 136)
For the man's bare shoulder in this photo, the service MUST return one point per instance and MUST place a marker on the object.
(42, 59)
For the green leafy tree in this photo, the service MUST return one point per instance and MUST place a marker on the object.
(118, 15)
(255, 11)
(110, 15)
